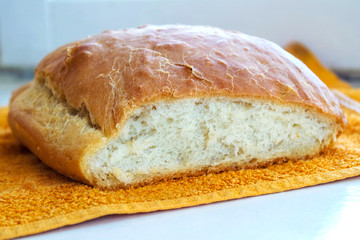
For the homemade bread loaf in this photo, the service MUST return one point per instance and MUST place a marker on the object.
(129, 107)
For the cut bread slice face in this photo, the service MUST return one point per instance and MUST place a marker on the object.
(172, 138)
(166, 139)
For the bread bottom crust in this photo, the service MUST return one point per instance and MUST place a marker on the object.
(209, 170)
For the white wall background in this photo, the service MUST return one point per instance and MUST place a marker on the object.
(331, 28)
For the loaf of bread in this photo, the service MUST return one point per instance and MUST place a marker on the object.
(130, 107)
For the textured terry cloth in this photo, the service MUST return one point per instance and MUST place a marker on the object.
(34, 198)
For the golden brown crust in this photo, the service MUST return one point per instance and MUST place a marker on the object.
(114, 72)
(62, 148)
(224, 167)
(32, 136)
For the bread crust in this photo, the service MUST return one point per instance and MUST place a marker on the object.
(62, 150)
(66, 161)
(109, 75)
(112, 73)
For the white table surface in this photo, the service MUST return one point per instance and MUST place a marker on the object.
(327, 211)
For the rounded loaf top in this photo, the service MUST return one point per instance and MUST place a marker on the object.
(112, 73)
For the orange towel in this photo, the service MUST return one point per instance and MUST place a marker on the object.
(34, 198)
